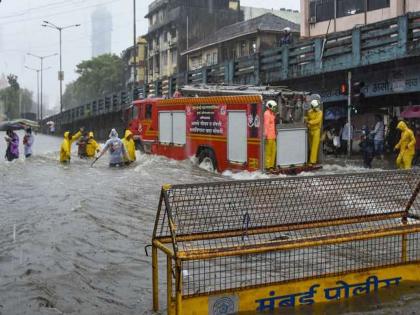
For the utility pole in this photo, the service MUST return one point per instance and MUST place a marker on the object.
(41, 58)
(37, 90)
(60, 73)
(134, 50)
(349, 142)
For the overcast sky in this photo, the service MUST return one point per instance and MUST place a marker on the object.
(21, 33)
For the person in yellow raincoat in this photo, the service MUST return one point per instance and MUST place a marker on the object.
(65, 150)
(313, 120)
(406, 146)
(92, 147)
(129, 145)
(270, 134)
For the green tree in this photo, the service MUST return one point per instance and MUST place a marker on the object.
(16, 100)
(99, 76)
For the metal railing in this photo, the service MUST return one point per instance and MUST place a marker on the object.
(389, 40)
(241, 234)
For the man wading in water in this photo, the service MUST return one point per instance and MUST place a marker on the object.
(116, 149)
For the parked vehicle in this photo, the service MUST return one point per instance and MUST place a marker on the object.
(224, 131)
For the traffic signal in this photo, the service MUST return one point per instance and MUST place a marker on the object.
(357, 96)
(123, 98)
(135, 93)
(343, 89)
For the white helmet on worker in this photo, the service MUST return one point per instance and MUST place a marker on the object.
(271, 104)
(286, 29)
(315, 103)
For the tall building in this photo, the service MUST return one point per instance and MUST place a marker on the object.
(176, 25)
(101, 21)
(320, 17)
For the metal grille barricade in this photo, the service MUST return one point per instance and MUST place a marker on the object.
(228, 236)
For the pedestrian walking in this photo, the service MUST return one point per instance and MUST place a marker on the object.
(65, 149)
(367, 147)
(378, 136)
(81, 146)
(28, 141)
(92, 147)
(346, 136)
(117, 151)
(12, 150)
(406, 146)
(130, 146)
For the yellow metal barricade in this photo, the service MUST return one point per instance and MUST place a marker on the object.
(267, 244)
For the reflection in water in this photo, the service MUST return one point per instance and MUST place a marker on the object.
(72, 237)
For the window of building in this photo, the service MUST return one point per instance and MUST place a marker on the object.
(165, 58)
(321, 10)
(242, 50)
(350, 7)
(253, 46)
(165, 36)
(378, 4)
(214, 58)
(208, 62)
(225, 54)
(174, 57)
(233, 53)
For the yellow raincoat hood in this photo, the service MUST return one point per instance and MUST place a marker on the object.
(402, 126)
(91, 134)
(127, 133)
(129, 145)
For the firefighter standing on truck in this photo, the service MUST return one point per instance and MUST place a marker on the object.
(313, 120)
(270, 134)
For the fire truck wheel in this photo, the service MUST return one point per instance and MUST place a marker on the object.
(208, 158)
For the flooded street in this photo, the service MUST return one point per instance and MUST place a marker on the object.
(72, 237)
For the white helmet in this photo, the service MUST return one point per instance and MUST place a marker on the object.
(315, 104)
(286, 29)
(271, 104)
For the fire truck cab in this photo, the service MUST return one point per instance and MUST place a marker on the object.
(222, 129)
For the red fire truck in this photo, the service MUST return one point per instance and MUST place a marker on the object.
(223, 131)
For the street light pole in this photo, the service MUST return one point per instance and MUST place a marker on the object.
(134, 49)
(61, 74)
(37, 89)
(41, 58)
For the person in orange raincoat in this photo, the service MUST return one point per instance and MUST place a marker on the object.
(270, 134)
(406, 145)
(313, 120)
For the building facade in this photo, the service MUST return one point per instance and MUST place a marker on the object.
(176, 25)
(101, 35)
(141, 61)
(319, 17)
(241, 40)
(287, 14)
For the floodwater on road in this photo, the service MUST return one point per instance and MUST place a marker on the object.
(72, 237)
